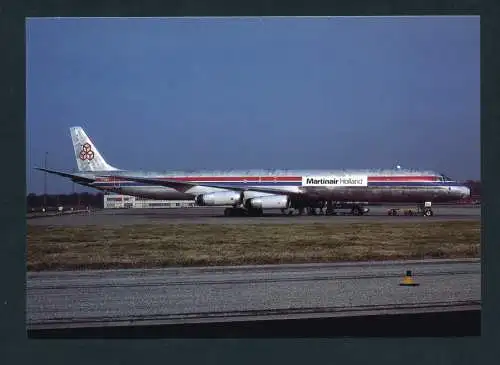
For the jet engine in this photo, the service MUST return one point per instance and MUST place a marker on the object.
(220, 198)
(269, 202)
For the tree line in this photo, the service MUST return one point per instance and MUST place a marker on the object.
(75, 200)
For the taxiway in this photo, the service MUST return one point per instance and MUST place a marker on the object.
(184, 295)
(215, 216)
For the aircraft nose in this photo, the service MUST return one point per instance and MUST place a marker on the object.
(464, 191)
(461, 192)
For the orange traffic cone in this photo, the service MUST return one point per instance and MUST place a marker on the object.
(408, 280)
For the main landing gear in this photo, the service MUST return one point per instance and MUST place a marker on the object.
(301, 208)
(332, 208)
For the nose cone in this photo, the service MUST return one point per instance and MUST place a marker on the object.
(464, 192)
(460, 192)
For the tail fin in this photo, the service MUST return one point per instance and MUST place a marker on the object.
(87, 156)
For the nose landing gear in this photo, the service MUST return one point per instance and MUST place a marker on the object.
(428, 212)
(425, 209)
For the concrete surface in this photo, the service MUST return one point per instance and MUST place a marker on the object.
(182, 295)
(215, 216)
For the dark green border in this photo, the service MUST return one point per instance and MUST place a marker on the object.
(17, 349)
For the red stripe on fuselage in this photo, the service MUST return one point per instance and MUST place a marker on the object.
(402, 178)
(273, 178)
(232, 178)
(215, 178)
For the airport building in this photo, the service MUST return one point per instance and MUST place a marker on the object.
(115, 201)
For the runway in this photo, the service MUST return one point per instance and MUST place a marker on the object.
(215, 216)
(187, 295)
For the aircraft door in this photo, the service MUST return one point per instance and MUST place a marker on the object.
(116, 184)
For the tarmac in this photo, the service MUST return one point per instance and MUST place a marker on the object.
(209, 215)
(196, 295)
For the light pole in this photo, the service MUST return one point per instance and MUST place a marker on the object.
(73, 182)
(45, 181)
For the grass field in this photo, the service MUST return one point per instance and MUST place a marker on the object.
(98, 247)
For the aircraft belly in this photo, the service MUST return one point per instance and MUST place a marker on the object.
(155, 192)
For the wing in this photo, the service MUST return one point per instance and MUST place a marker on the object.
(185, 185)
(74, 177)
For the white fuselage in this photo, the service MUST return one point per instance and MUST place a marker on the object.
(379, 185)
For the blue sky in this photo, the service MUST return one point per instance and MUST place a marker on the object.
(217, 93)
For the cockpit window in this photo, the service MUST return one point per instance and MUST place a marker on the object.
(445, 178)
